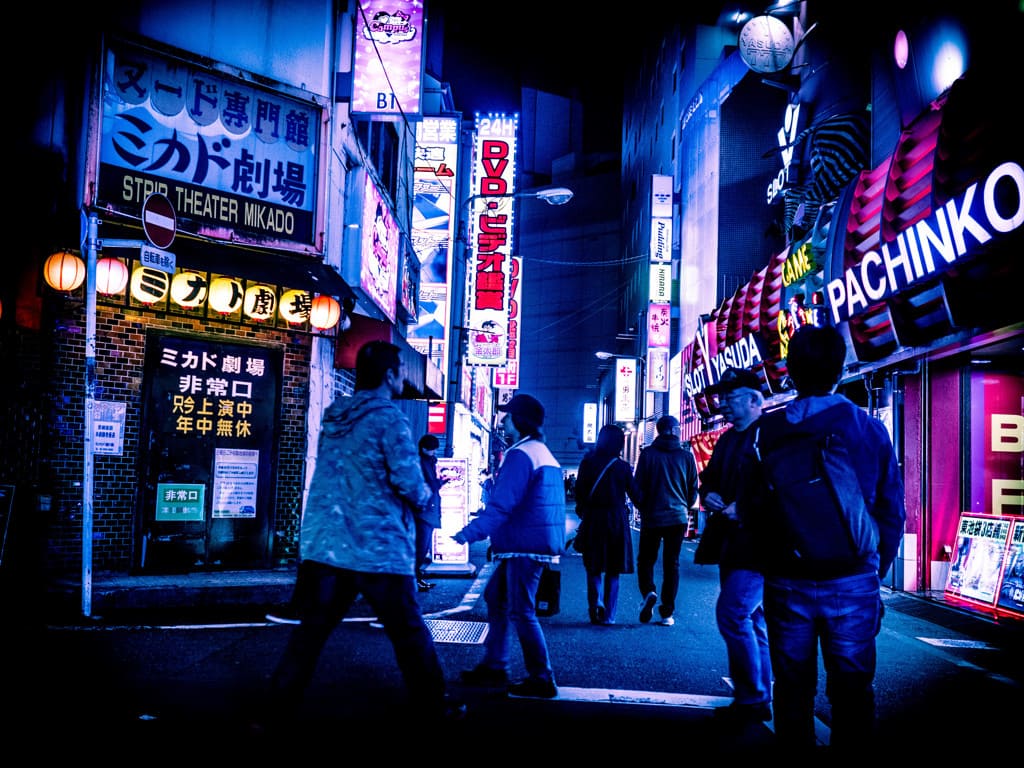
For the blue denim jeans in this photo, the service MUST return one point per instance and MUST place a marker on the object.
(325, 595)
(843, 616)
(740, 616)
(603, 589)
(511, 595)
(651, 539)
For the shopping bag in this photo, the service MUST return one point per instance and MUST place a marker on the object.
(549, 592)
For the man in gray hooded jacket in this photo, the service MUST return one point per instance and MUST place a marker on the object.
(358, 537)
(666, 475)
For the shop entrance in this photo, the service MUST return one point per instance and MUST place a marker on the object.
(208, 451)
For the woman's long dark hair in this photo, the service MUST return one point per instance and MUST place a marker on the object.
(610, 442)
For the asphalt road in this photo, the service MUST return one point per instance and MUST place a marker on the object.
(174, 684)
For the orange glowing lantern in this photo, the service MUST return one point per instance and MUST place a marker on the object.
(226, 295)
(64, 271)
(325, 312)
(111, 276)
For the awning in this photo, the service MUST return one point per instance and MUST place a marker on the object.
(364, 329)
(288, 270)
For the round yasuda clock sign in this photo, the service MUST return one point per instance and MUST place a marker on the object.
(766, 44)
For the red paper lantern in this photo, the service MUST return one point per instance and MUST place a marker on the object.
(325, 312)
(64, 271)
(111, 276)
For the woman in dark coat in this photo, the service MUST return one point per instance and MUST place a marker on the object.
(602, 485)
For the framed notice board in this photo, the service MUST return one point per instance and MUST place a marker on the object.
(6, 509)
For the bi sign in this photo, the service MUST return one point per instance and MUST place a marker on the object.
(158, 220)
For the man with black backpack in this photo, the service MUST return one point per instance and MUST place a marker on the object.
(827, 468)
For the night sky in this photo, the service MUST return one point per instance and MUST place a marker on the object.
(570, 49)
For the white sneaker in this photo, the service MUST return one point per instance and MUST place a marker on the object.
(667, 621)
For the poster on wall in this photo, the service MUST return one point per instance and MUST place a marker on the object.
(235, 480)
(454, 515)
(1011, 587)
(978, 558)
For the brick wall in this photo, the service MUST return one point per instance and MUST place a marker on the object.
(120, 354)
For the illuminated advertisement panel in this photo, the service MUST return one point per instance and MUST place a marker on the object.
(978, 558)
(657, 369)
(625, 388)
(236, 162)
(387, 63)
(590, 423)
(433, 226)
(661, 196)
(1011, 585)
(454, 513)
(490, 219)
(509, 375)
(997, 443)
(378, 270)
(659, 325)
(803, 295)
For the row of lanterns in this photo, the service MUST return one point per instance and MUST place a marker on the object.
(64, 271)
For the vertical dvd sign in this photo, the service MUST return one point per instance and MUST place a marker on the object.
(490, 214)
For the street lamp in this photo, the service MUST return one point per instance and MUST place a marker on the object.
(550, 195)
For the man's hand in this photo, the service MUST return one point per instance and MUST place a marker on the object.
(713, 502)
(458, 538)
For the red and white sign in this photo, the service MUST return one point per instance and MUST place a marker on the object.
(158, 220)
(437, 418)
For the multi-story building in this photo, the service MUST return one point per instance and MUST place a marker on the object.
(855, 167)
(207, 178)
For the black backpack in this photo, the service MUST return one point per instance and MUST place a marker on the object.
(816, 506)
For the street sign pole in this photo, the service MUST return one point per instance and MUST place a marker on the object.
(90, 406)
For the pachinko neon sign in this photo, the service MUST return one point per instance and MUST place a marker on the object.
(951, 233)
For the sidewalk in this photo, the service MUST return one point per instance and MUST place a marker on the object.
(251, 593)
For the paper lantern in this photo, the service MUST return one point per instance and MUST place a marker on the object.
(188, 289)
(295, 306)
(111, 276)
(148, 285)
(64, 271)
(260, 302)
(325, 312)
(226, 295)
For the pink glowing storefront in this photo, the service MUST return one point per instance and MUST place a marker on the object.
(921, 269)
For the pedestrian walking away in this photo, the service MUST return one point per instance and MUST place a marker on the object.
(666, 478)
(429, 517)
(358, 537)
(739, 610)
(525, 521)
(813, 600)
(604, 536)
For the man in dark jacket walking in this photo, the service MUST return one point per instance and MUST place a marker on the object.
(835, 603)
(666, 476)
(739, 610)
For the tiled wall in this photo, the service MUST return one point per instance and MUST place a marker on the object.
(120, 353)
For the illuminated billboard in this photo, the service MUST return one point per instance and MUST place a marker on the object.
(433, 226)
(490, 219)
(387, 59)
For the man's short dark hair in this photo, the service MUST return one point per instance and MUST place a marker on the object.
(373, 361)
(429, 443)
(815, 359)
(666, 424)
